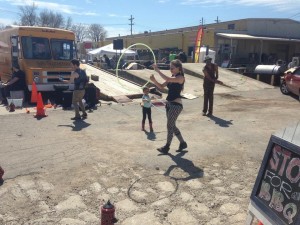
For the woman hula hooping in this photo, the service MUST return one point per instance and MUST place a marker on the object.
(174, 103)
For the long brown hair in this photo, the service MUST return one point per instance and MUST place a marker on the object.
(178, 64)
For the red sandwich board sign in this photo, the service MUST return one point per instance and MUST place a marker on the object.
(275, 198)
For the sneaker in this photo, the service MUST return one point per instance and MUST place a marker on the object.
(84, 116)
(164, 150)
(182, 146)
(203, 114)
(76, 118)
(209, 114)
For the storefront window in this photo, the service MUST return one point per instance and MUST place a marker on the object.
(231, 26)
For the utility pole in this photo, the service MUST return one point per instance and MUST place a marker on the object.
(217, 20)
(131, 23)
(202, 21)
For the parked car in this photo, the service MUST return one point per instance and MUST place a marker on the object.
(290, 82)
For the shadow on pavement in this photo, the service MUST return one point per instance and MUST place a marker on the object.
(221, 122)
(150, 135)
(186, 165)
(78, 125)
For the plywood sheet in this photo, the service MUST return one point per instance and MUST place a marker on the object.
(121, 99)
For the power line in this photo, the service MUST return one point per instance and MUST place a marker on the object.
(296, 15)
(114, 24)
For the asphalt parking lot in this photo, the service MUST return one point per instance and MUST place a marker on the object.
(58, 171)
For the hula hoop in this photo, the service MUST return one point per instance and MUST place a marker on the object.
(117, 68)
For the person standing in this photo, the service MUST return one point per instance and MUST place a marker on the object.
(182, 57)
(211, 76)
(174, 103)
(107, 61)
(146, 105)
(293, 63)
(17, 83)
(79, 78)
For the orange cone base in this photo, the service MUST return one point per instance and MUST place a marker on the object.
(48, 106)
(40, 113)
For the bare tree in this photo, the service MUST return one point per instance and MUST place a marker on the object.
(44, 19)
(68, 24)
(48, 18)
(28, 15)
(80, 31)
(58, 20)
(96, 32)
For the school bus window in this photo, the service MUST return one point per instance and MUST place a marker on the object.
(35, 48)
(62, 49)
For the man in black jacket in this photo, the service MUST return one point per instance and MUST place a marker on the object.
(16, 83)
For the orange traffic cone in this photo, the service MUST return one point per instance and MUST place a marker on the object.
(40, 110)
(260, 223)
(49, 105)
(34, 93)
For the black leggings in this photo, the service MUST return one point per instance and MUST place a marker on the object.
(173, 110)
(146, 111)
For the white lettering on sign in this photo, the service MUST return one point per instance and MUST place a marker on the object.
(295, 162)
(265, 191)
(290, 211)
(280, 184)
(277, 182)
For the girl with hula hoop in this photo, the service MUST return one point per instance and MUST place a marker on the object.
(174, 103)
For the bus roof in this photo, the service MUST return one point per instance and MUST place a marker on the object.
(38, 29)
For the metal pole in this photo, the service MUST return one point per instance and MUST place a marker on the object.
(230, 49)
(261, 50)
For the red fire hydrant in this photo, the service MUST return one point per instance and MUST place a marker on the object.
(108, 214)
(1, 173)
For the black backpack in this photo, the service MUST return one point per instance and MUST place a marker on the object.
(82, 79)
(91, 95)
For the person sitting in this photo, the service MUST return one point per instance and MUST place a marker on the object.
(16, 83)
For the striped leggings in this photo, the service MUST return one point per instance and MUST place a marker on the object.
(173, 110)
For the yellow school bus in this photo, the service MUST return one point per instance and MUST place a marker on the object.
(43, 53)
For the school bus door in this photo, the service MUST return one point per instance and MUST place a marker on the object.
(14, 49)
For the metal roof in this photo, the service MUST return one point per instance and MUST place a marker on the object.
(252, 37)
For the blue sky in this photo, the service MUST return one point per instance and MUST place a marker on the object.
(155, 15)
